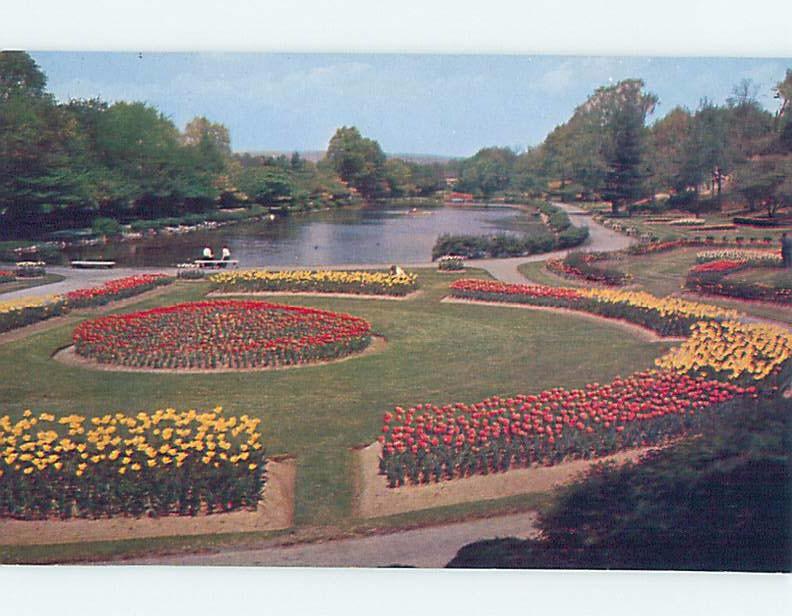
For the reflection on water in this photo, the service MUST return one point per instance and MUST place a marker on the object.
(366, 236)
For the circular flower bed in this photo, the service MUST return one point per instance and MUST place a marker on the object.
(219, 335)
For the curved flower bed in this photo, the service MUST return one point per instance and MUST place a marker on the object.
(426, 442)
(710, 276)
(324, 281)
(156, 464)
(221, 334)
(116, 289)
(581, 265)
(721, 361)
(18, 313)
(666, 316)
(754, 258)
(721, 266)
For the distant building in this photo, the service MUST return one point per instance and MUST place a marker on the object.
(460, 197)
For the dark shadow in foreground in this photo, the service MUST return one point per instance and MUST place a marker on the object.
(719, 502)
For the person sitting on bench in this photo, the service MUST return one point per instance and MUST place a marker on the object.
(208, 254)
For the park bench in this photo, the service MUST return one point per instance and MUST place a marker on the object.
(93, 264)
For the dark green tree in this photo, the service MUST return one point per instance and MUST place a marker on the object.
(358, 161)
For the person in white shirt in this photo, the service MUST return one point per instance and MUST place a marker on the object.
(226, 254)
(207, 253)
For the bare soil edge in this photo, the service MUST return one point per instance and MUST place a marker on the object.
(641, 332)
(68, 357)
(274, 512)
(397, 298)
(375, 499)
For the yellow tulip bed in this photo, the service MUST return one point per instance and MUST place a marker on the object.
(18, 313)
(719, 342)
(160, 463)
(732, 350)
(312, 281)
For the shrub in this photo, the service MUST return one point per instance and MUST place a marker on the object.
(106, 226)
(715, 503)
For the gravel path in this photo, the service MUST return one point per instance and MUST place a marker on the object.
(423, 547)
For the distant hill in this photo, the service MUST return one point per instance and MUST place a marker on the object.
(316, 155)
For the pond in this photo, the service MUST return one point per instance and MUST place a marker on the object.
(346, 236)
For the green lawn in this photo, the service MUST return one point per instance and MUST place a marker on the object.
(436, 352)
(16, 285)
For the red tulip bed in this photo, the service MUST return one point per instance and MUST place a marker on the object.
(7, 276)
(116, 289)
(221, 334)
(711, 278)
(582, 265)
(430, 443)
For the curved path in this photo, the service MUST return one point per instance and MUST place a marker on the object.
(601, 239)
(431, 546)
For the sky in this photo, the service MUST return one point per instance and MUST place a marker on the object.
(448, 105)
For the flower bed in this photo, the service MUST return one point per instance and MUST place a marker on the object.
(731, 350)
(155, 464)
(221, 334)
(7, 276)
(427, 442)
(116, 289)
(31, 269)
(327, 281)
(667, 316)
(581, 265)
(687, 222)
(18, 313)
(451, 263)
(754, 258)
(721, 266)
(716, 283)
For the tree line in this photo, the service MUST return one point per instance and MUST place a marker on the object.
(607, 150)
(88, 162)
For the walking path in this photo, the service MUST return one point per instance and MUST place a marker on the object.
(423, 547)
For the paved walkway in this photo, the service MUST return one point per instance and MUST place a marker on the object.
(601, 239)
(423, 547)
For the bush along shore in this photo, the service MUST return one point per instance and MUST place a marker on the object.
(561, 234)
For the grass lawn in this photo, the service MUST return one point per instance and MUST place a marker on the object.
(436, 352)
(16, 285)
(771, 276)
